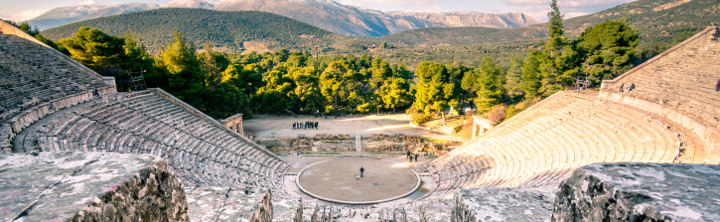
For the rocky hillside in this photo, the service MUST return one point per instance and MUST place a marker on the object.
(65, 15)
(354, 21)
(326, 14)
(655, 20)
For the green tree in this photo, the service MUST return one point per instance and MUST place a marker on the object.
(212, 65)
(514, 78)
(396, 93)
(608, 48)
(179, 56)
(275, 95)
(530, 78)
(137, 61)
(378, 83)
(334, 87)
(226, 100)
(111, 56)
(185, 78)
(488, 85)
(307, 89)
(558, 65)
(94, 48)
(435, 92)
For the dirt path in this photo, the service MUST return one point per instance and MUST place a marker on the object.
(271, 126)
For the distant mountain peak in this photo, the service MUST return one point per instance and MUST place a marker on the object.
(89, 2)
(351, 20)
(327, 14)
(191, 4)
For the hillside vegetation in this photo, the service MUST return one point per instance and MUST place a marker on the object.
(222, 84)
(660, 23)
(227, 31)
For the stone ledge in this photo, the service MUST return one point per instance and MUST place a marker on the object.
(89, 187)
(640, 192)
(505, 204)
(231, 204)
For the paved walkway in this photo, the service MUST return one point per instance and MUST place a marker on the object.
(270, 126)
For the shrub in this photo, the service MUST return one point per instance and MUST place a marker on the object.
(496, 114)
(420, 118)
(457, 129)
(511, 111)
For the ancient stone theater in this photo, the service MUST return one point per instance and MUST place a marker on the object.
(75, 149)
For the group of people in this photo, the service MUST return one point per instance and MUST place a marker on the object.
(411, 156)
(305, 125)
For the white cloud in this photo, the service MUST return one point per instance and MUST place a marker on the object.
(573, 3)
(397, 5)
(29, 14)
(89, 2)
(392, 5)
(569, 8)
(395, 2)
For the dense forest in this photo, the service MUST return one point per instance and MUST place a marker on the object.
(222, 84)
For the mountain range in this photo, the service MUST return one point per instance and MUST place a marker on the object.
(658, 22)
(227, 31)
(326, 14)
(654, 20)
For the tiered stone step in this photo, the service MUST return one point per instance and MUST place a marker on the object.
(37, 81)
(679, 85)
(543, 145)
(203, 152)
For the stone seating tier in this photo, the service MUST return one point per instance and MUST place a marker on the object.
(203, 153)
(38, 81)
(542, 145)
(681, 89)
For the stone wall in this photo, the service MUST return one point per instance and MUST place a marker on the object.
(234, 123)
(347, 143)
(61, 186)
(640, 192)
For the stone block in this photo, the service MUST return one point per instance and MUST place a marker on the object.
(233, 204)
(60, 186)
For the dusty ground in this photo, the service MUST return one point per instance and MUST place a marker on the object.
(339, 179)
(271, 126)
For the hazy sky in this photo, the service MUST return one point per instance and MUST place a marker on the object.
(27, 9)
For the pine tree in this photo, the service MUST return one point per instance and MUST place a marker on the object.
(608, 49)
(557, 66)
(514, 78)
(186, 79)
(435, 92)
(489, 86)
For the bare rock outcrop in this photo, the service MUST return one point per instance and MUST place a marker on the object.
(640, 192)
(64, 186)
(264, 212)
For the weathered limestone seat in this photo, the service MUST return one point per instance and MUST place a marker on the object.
(679, 85)
(541, 146)
(38, 81)
(202, 151)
